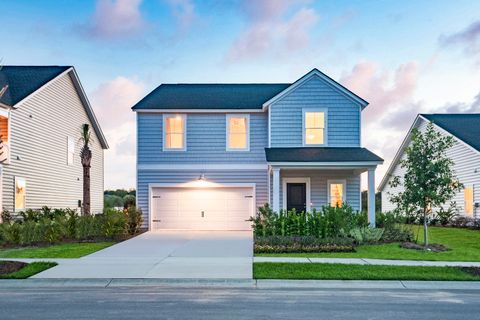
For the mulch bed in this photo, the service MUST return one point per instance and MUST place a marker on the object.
(432, 247)
(7, 267)
(472, 270)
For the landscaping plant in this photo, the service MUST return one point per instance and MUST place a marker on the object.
(429, 180)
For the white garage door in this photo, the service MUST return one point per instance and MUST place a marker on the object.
(202, 209)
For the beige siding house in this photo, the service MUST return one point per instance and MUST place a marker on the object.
(41, 114)
(465, 153)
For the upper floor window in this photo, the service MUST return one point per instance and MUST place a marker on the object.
(5, 138)
(314, 125)
(70, 150)
(238, 132)
(174, 136)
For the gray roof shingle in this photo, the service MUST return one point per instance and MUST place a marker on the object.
(24, 80)
(321, 154)
(210, 96)
(465, 126)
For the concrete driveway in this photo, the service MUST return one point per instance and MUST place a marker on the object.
(167, 254)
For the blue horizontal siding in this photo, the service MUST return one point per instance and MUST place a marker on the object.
(206, 140)
(343, 115)
(146, 177)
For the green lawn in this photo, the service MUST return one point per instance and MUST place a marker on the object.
(29, 270)
(324, 271)
(464, 245)
(64, 250)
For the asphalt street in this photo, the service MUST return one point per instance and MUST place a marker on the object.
(236, 303)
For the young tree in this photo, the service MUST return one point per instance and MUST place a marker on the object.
(429, 180)
(86, 158)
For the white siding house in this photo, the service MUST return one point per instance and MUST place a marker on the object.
(42, 112)
(465, 153)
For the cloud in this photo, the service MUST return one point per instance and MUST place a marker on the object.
(468, 38)
(461, 107)
(112, 101)
(273, 26)
(184, 13)
(387, 91)
(115, 19)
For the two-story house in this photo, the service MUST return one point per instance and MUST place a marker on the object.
(42, 109)
(209, 154)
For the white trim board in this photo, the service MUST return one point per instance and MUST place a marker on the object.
(305, 180)
(196, 166)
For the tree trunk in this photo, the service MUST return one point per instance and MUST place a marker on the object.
(425, 228)
(86, 190)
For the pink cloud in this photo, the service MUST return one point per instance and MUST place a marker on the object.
(273, 28)
(386, 91)
(115, 19)
(113, 99)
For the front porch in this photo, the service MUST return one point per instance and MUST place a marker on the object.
(307, 178)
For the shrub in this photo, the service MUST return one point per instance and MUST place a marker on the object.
(329, 222)
(365, 235)
(6, 216)
(286, 244)
(114, 223)
(134, 220)
(129, 201)
(31, 215)
(446, 216)
(397, 233)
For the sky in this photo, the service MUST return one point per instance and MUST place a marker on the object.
(404, 57)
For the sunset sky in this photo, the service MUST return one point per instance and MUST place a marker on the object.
(404, 57)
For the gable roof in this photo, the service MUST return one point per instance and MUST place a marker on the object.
(464, 126)
(24, 80)
(229, 96)
(210, 96)
(315, 72)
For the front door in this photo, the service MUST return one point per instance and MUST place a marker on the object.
(297, 196)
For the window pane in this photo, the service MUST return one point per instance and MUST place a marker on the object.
(468, 197)
(238, 141)
(314, 120)
(336, 194)
(20, 192)
(174, 124)
(238, 125)
(314, 136)
(174, 140)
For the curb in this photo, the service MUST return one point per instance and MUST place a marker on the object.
(240, 283)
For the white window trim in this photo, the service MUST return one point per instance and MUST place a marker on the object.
(325, 129)
(227, 131)
(15, 209)
(164, 132)
(337, 181)
(68, 151)
(305, 180)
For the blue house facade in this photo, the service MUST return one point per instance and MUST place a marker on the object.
(209, 154)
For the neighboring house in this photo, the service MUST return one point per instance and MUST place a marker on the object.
(209, 154)
(41, 113)
(465, 153)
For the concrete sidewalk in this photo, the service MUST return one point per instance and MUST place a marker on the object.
(370, 261)
(239, 283)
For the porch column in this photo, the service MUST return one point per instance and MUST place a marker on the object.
(371, 197)
(276, 190)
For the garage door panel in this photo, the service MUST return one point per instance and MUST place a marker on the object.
(181, 208)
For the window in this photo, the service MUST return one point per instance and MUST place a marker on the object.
(468, 198)
(238, 132)
(4, 133)
(336, 192)
(70, 150)
(314, 127)
(174, 132)
(20, 192)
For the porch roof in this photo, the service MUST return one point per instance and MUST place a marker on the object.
(332, 155)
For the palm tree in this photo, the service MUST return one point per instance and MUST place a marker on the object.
(86, 157)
